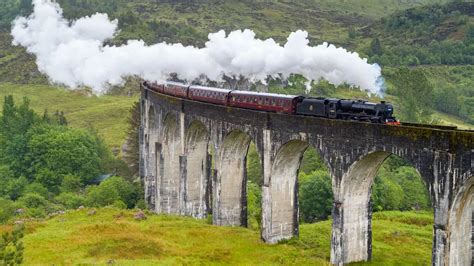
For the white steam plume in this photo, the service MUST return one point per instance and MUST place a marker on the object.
(74, 54)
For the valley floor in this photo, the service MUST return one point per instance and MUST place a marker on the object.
(113, 236)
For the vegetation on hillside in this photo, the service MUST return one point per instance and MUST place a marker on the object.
(427, 34)
(46, 166)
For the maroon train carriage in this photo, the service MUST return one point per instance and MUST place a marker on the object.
(176, 89)
(264, 101)
(208, 95)
(154, 86)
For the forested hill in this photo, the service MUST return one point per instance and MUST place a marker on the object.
(435, 36)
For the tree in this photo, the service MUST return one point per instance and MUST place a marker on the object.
(315, 196)
(131, 156)
(415, 93)
(56, 151)
(15, 123)
(375, 47)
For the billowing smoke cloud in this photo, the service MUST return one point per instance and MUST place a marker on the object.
(73, 53)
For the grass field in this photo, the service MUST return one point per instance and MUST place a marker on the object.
(106, 114)
(113, 235)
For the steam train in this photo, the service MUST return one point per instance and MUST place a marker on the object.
(358, 110)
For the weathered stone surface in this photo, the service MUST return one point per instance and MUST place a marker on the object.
(175, 165)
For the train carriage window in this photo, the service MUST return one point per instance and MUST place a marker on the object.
(273, 102)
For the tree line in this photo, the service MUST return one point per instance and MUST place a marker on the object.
(47, 166)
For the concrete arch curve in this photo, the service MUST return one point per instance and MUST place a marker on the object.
(352, 206)
(282, 207)
(460, 226)
(352, 210)
(230, 190)
(169, 181)
(198, 170)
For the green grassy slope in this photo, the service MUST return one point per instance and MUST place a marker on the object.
(113, 235)
(106, 114)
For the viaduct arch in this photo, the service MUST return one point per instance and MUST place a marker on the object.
(176, 165)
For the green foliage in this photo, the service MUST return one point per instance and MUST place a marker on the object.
(435, 34)
(254, 205)
(399, 187)
(415, 93)
(15, 123)
(71, 183)
(11, 247)
(55, 151)
(13, 187)
(375, 47)
(386, 194)
(111, 190)
(312, 161)
(131, 157)
(70, 200)
(254, 166)
(315, 196)
(141, 204)
(33, 200)
(37, 188)
(7, 210)
(119, 204)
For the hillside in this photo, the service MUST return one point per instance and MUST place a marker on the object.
(435, 36)
(107, 114)
(113, 236)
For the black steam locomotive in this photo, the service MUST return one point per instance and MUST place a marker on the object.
(347, 109)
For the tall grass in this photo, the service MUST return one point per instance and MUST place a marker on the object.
(112, 235)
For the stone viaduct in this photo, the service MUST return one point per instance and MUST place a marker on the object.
(181, 177)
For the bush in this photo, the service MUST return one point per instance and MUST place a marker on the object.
(119, 204)
(141, 204)
(37, 188)
(33, 200)
(70, 200)
(102, 195)
(49, 179)
(71, 183)
(111, 190)
(14, 187)
(7, 210)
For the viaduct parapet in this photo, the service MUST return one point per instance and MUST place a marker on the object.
(181, 177)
